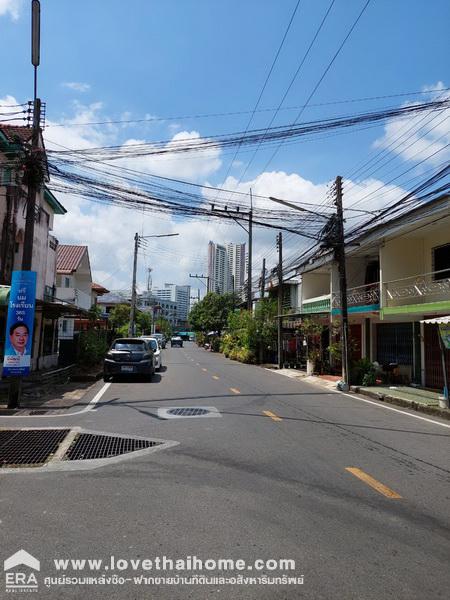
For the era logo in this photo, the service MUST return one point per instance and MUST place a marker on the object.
(19, 581)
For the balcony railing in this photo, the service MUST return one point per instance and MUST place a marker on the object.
(418, 289)
(319, 304)
(363, 295)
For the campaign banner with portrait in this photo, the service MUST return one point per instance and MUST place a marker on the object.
(19, 324)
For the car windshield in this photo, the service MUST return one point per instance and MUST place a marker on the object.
(136, 346)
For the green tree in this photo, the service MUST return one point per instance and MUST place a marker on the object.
(211, 313)
(143, 323)
(120, 315)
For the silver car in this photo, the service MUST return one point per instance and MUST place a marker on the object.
(156, 347)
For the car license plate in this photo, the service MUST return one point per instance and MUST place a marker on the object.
(127, 369)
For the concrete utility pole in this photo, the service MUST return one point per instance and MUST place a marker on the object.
(280, 299)
(33, 177)
(132, 325)
(201, 278)
(138, 239)
(34, 167)
(250, 252)
(263, 279)
(339, 253)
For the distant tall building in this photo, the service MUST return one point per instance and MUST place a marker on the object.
(236, 266)
(218, 272)
(180, 295)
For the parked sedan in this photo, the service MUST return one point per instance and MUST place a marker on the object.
(176, 341)
(129, 356)
(161, 339)
(156, 347)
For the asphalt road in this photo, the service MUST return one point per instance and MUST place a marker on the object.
(267, 480)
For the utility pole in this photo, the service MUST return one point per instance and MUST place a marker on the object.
(34, 167)
(33, 178)
(263, 279)
(250, 249)
(139, 239)
(132, 325)
(339, 253)
(201, 278)
(280, 299)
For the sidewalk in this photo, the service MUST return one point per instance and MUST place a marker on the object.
(408, 397)
(48, 396)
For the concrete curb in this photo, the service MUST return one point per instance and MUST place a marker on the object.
(424, 408)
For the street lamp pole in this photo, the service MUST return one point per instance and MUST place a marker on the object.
(137, 241)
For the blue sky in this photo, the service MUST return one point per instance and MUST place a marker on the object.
(172, 58)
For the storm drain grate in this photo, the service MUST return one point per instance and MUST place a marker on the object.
(87, 446)
(29, 446)
(188, 412)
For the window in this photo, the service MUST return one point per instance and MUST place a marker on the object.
(441, 262)
(66, 282)
(64, 326)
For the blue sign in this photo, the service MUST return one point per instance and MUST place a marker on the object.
(19, 324)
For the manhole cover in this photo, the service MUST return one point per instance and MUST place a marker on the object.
(29, 446)
(87, 446)
(188, 412)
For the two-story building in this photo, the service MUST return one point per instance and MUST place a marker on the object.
(73, 284)
(398, 274)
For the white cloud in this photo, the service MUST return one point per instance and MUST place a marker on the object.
(11, 7)
(109, 230)
(421, 137)
(76, 86)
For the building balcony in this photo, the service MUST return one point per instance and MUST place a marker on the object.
(363, 298)
(319, 304)
(420, 293)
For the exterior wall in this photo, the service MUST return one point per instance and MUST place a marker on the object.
(315, 284)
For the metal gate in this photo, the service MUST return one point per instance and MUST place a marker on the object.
(434, 377)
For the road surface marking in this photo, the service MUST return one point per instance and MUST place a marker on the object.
(87, 408)
(402, 412)
(382, 489)
(374, 403)
(235, 390)
(215, 377)
(272, 415)
(203, 369)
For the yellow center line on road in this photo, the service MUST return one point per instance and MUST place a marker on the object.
(215, 377)
(235, 390)
(376, 485)
(272, 415)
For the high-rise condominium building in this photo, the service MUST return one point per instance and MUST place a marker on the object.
(218, 272)
(236, 266)
(180, 294)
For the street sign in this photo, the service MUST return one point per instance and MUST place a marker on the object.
(19, 324)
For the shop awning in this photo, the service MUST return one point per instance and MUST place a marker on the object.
(437, 321)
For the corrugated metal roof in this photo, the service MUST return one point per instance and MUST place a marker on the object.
(69, 257)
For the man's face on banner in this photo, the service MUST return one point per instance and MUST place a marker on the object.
(19, 338)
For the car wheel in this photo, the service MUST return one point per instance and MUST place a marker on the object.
(106, 377)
